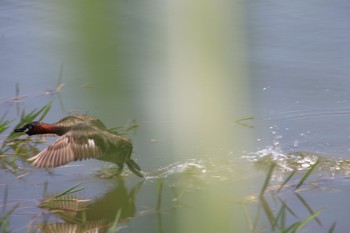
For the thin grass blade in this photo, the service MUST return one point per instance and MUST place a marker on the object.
(71, 190)
(268, 212)
(114, 226)
(331, 230)
(44, 110)
(267, 180)
(247, 217)
(159, 194)
(286, 180)
(8, 214)
(307, 174)
(287, 207)
(280, 217)
(307, 220)
(309, 209)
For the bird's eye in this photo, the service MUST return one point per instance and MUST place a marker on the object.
(30, 126)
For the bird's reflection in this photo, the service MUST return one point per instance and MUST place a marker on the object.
(91, 215)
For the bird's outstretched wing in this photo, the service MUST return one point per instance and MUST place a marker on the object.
(72, 146)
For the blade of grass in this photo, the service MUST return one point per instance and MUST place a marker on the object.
(159, 192)
(240, 122)
(5, 198)
(290, 228)
(268, 212)
(4, 125)
(247, 217)
(44, 110)
(306, 221)
(332, 228)
(3, 219)
(59, 84)
(308, 208)
(283, 217)
(307, 174)
(287, 207)
(17, 95)
(71, 190)
(114, 226)
(286, 180)
(280, 216)
(26, 118)
(267, 180)
(256, 220)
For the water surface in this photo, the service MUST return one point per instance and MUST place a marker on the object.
(298, 72)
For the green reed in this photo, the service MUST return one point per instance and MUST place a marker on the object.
(13, 147)
(277, 217)
(5, 214)
(64, 196)
(113, 227)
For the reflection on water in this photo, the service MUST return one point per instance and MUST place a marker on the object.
(176, 185)
(96, 215)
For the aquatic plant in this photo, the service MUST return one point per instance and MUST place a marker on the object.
(13, 148)
(277, 210)
(55, 202)
(271, 206)
(5, 214)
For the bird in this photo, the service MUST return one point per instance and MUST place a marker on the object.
(81, 137)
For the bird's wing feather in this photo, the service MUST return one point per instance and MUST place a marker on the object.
(69, 147)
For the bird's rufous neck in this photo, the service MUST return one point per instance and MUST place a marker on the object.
(45, 128)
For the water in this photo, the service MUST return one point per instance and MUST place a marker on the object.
(299, 64)
(298, 67)
(301, 76)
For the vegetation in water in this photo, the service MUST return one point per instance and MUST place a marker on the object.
(276, 210)
(269, 213)
(270, 205)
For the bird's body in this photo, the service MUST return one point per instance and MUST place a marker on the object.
(81, 137)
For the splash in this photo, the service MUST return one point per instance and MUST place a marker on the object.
(206, 171)
(299, 160)
(285, 161)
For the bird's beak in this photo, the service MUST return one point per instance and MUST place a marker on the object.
(23, 129)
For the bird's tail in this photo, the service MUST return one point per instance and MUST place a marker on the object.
(134, 167)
